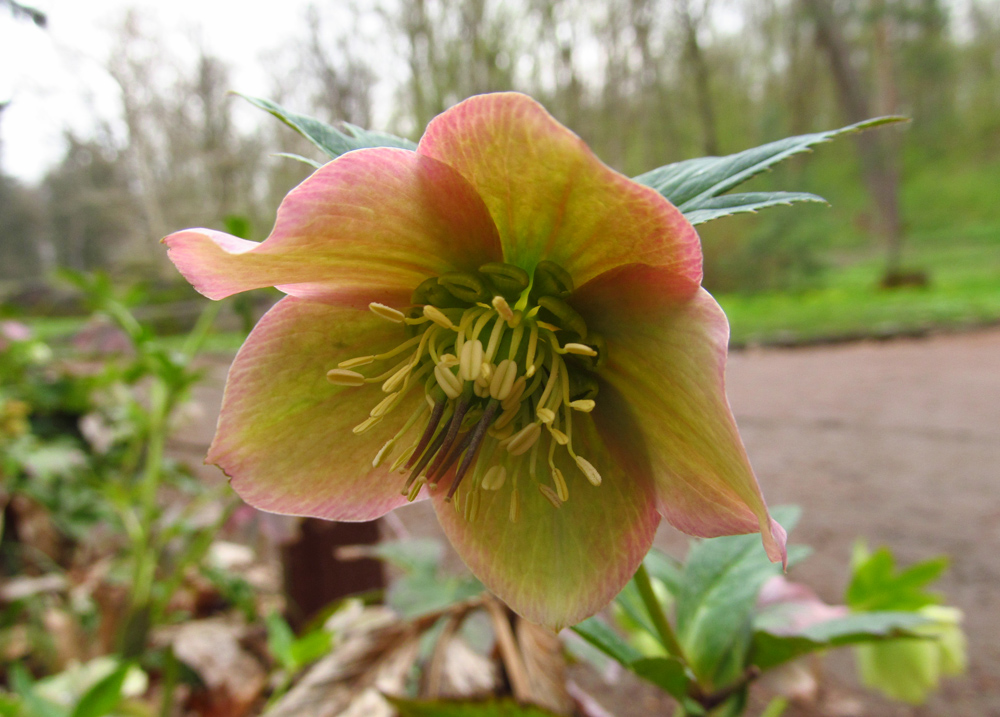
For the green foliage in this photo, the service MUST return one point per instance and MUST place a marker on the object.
(698, 186)
(876, 585)
(293, 653)
(330, 140)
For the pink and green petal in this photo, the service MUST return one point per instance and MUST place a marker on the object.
(284, 435)
(557, 566)
(368, 226)
(666, 358)
(551, 198)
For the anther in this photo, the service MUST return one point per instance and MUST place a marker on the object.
(524, 439)
(587, 468)
(355, 362)
(495, 477)
(383, 452)
(561, 438)
(578, 349)
(393, 382)
(387, 312)
(365, 425)
(434, 314)
(401, 459)
(562, 490)
(550, 495)
(449, 382)
(503, 379)
(471, 360)
(343, 377)
(503, 308)
(449, 360)
(545, 415)
(514, 397)
(414, 490)
(383, 406)
(584, 404)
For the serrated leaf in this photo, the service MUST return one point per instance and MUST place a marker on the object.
(721, 580)
(602, 636)
(692, 183)
(330, 140)
(455, 708)
(876, 585)
(747, 202)
(667, 673)
(769, 650)
(104, 696)
(299, 158)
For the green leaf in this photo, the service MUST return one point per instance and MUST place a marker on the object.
(748, 202)
(667, 673)
(769, 650)
(332, 141)
(280, 639)
(36, 705)
(665, 569)
(310, 647)
(691, 185)
(876, 585)
(721, 580)
(104, 696)
(467, 708)
(299, 158)
(601, 635)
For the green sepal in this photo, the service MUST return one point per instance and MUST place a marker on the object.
(332, 141)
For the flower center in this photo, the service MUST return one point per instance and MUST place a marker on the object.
(504, 363)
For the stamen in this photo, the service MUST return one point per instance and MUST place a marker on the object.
(343, 377)
(577, 349)
(515, 507)
(472, 506)
(561, 438)
(393, 382)
(587, 468)
(524, 439)
(562, 490)
(550, 495)
(366, 425)
(471, 360)
(415, 490)
(529, 360)
(514, 397)
(585, 405)
(503, 308)
(503, 379)
(545, 415)
(383, 406)
(495, 477)
(449, 382)
(550, 384)
(401, 348)
(449, 360)
(355, 362)
(434, 314)
(495, 335)
(401, 459)
(515, 340)
(387, 312)
(481, 323)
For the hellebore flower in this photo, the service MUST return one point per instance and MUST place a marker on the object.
(551, 370)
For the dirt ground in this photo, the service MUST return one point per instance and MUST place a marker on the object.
(895, 441)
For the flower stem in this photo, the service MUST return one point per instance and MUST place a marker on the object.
(655, 610)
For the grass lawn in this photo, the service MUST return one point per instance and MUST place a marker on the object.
(964, 291)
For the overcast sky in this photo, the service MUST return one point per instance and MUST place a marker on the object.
(54, 77)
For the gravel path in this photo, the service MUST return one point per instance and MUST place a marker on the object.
(897, 442)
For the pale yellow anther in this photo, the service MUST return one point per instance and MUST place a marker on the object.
(587, 468)
(514, 397)
(515, 507)
(415, 490)
(531, 370)
(501, 434)
(524, 439)
(383, 406)
(550, 495)
(515, 320)
(402, 458)
(495, 477)
(396, 380)
(471, 360)
(343, 377)
(486, 373)
(562, 490)
(383, 452)
(387, 312)
(584, 404)
(366, 425)
(480, 390)
(434, 314)
(561, 438)
(578, 349)
(545, 415)
(355, 362)
(503, 380)
(506, 417)
(449, 382)
(503, 308)
(449, 360)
